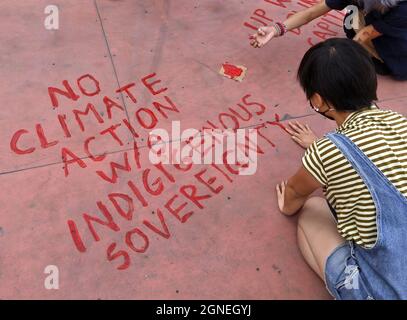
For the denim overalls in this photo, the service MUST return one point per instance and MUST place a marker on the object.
(379, 272)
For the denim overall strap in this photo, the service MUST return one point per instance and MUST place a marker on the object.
(384, 265)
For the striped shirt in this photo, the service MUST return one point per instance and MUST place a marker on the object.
(382, 136)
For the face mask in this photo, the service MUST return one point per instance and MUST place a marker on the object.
(320, 112)
(323, 114)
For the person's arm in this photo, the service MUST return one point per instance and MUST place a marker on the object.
(303, 17)
(292, 194)
(265, 34)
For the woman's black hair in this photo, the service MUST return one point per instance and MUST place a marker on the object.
(341, 72)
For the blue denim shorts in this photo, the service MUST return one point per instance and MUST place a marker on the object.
(343, 277)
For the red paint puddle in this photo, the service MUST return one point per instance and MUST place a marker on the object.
(231, 70)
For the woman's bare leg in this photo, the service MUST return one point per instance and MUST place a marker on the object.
(317, 234)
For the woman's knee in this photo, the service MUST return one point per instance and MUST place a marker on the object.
(314, 202)
(316, 218)
(313, 206)
(317, 233)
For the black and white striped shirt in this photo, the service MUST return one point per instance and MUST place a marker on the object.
(382, 136)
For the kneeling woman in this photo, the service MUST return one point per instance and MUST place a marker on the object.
(380, 26)
(356, 238)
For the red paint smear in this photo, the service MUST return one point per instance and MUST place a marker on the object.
(231, 70)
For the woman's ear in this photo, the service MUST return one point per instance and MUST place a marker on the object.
(317, 101)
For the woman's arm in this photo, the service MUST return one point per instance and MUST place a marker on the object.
(265, 34)
(303, 17)
(292, 194)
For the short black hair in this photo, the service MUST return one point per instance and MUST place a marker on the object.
(341, 72)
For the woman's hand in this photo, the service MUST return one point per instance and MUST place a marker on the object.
(280, 188)
(302, 134)
(263, 35)
(292, 193)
